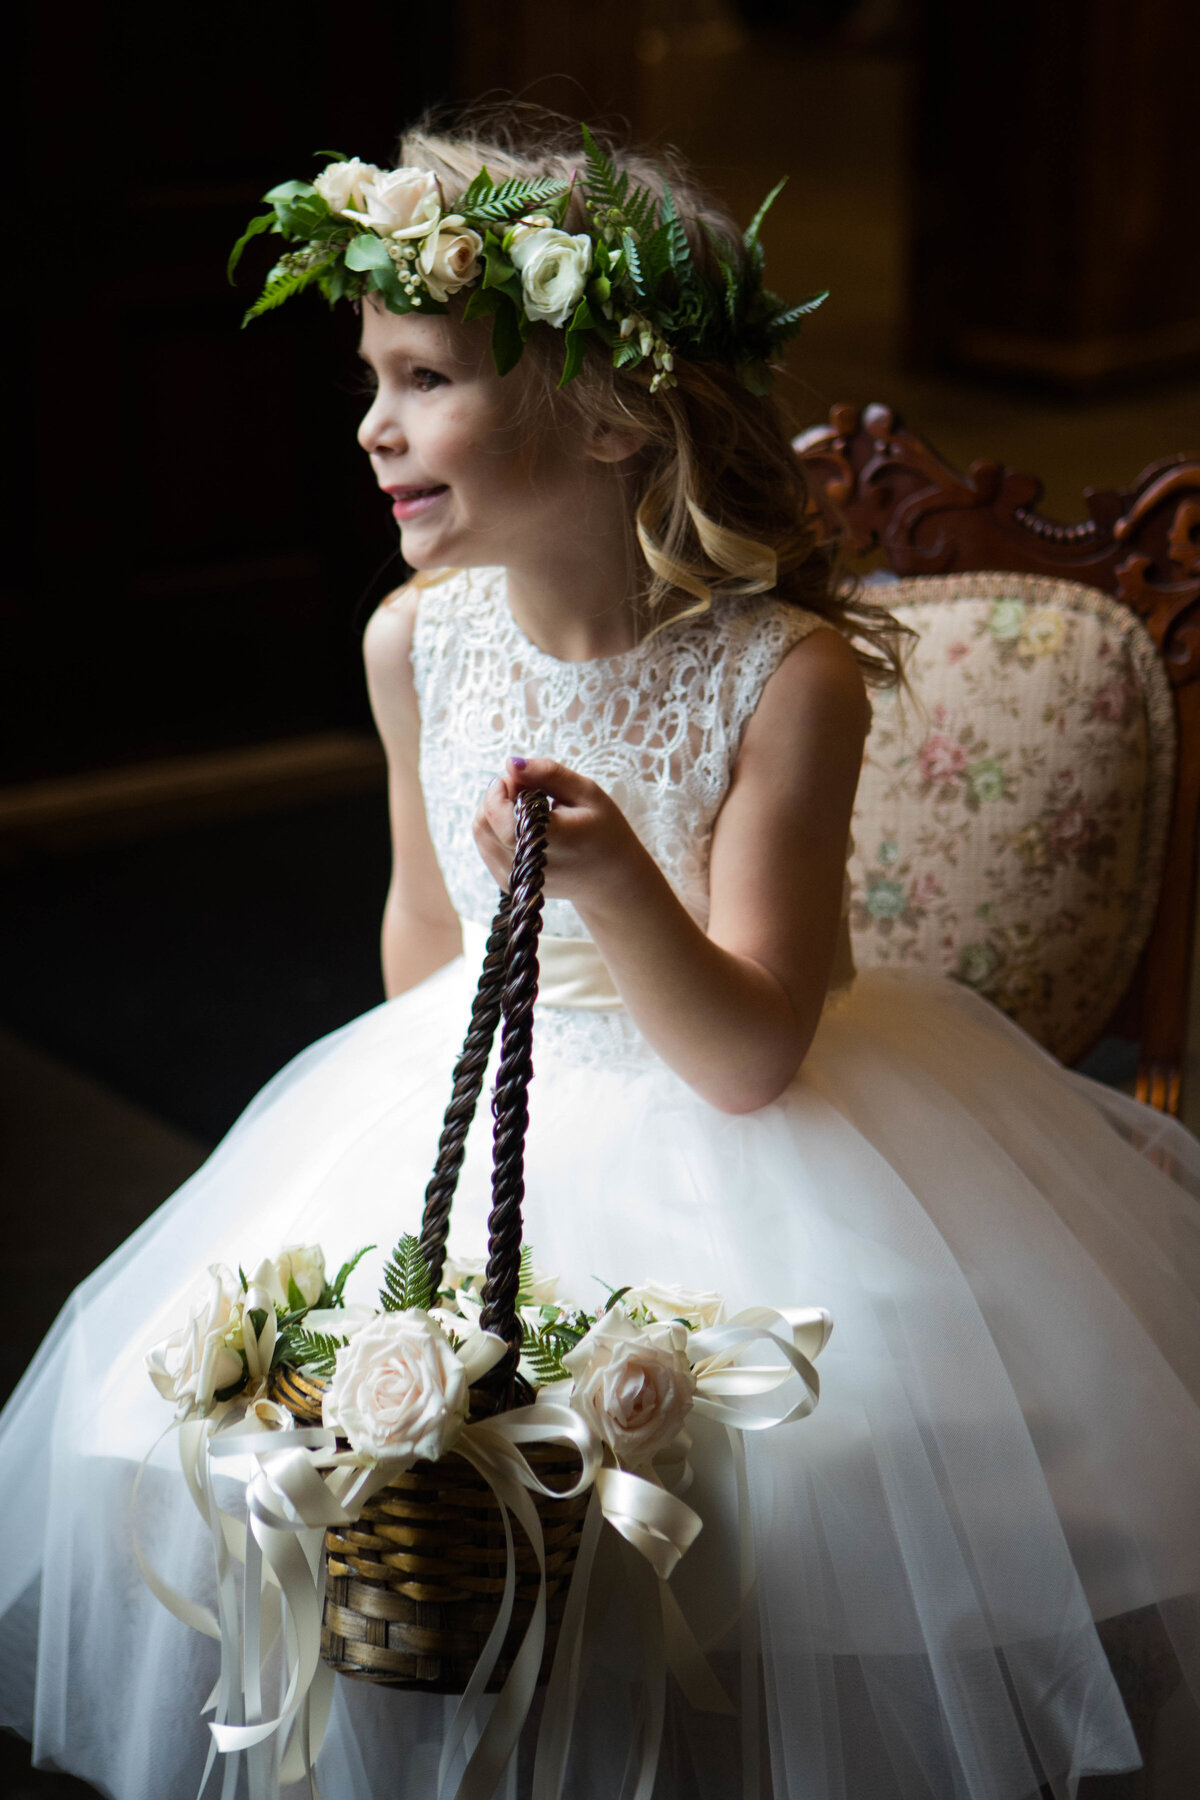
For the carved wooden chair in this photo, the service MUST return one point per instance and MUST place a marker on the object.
(1027, 821)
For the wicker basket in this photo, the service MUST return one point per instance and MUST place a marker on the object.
(413, 1586)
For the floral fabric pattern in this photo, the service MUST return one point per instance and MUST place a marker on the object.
(1012, 813)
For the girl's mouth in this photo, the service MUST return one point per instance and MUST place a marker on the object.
(408, 502)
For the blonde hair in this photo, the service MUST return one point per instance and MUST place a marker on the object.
(721, 506)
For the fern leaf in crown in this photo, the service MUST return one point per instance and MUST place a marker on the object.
(630, 282)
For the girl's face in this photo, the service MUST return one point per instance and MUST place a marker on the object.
(475, 477)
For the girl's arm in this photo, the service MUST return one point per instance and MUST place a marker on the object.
(420, 926)
(734, 1011)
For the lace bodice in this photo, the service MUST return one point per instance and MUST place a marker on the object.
(658, 728)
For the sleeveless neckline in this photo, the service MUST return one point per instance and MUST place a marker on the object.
(534, 654)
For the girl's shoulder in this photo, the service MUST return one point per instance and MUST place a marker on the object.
(753, 637)
(750, 618)
(752, 634)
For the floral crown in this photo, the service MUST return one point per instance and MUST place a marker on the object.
(630, 281)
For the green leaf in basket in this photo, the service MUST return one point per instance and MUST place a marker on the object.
(333, 1291)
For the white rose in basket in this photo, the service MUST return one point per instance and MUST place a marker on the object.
(665, 1300)
(633, 1384)
(539, 1287)
(398, 1389)
(302, 1263)
(196, 1362)
(458, 1270)
(554, 269)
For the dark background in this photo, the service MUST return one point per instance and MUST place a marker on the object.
(187, 537)
(190, 538)
(193, 850)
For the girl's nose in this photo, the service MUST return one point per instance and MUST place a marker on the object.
(379, 430)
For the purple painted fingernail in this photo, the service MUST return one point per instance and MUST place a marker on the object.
(518, 762)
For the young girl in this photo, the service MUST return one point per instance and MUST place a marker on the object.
(618, 601)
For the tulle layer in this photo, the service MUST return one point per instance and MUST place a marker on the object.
(1007, 1449)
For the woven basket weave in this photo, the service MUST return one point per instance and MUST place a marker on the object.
(413, 1586)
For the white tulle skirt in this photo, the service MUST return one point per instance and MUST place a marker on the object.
(1003, 1470)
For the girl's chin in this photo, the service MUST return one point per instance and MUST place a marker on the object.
(424, 549)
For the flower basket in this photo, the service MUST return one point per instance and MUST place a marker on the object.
(412, 1587)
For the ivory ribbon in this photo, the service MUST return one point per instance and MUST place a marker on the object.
(571, 971)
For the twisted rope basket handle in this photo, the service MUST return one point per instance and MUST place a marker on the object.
(507, 988)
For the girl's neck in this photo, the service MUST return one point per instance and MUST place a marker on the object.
(578, 624)
(575, 593)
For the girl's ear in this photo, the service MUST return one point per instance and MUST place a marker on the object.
(608, 445)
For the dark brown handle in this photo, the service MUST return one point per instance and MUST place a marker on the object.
(507, 988)
(468, 1079)
(510, 1104)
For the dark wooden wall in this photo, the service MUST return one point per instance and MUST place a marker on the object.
(1054, 209)
(189, 533)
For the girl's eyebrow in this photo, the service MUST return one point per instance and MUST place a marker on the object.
(393, 353)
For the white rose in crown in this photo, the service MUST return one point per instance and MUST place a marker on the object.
(404, 203)
(522, 229)
(633, 1384)
(398, 1389)
(664, 1300)
(450, 257)
(342, 183)
(554, 269)
(193, 1365)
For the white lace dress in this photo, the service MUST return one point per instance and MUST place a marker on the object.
(1007, 1448)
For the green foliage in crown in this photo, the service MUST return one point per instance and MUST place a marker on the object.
(631, 281)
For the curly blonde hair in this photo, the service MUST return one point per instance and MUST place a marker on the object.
(721, 505)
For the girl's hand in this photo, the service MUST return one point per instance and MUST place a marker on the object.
(589, 846)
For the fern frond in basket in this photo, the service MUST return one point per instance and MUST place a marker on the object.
(406, 1280)
(541, 1361)
(315, 1352)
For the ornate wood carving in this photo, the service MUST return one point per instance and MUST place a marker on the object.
(881, 487)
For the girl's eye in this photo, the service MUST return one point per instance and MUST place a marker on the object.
(426, 379)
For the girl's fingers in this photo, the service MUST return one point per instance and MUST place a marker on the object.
(562, 784)
(495, 815)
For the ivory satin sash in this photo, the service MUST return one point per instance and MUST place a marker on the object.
(572, 972)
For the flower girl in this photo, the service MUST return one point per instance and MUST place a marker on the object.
(619, 602)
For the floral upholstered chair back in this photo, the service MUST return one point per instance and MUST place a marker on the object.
(1013, 810)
